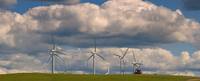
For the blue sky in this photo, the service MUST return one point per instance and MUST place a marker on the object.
(23, 6)
(178, 4)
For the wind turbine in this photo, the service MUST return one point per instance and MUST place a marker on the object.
(136, 65)
(54, 53)
(121, 59)
(108, 71)
(108, 68)
(94, 54)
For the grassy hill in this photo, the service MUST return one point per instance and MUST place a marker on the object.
(69, 77)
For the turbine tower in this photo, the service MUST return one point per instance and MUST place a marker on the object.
(108, 71)
(121, 59)
(54, 53)
(136, 65)
(108, 68)
(94, 54)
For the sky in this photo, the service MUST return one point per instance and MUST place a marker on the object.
(164, 34)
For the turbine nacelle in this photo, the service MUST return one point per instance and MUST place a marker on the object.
(137, 64)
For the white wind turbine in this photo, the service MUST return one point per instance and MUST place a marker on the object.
(108, 68)
(94, 54)
(121, 60)
(54, 54)
(136, 65)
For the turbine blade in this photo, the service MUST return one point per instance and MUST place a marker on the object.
(134, 58)
(60, 52)
(45, 66)
(57, 62)
(117, 55)
(49, 59)
(125, 53)
(60, 58)
(90, 57)
(100, 56)
(53, 42)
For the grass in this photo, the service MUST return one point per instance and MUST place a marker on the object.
(70, 77)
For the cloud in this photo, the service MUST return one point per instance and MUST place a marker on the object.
(77, 24)
(18, 63)
(192, 4)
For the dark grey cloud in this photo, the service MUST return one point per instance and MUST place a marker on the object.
(192, 4)
(7, 3)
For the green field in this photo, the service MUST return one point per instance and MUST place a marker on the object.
(69, 77)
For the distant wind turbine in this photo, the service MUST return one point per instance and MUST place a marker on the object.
(121, 59)
(94, 54)
(108, 68)
(136, 65)
(54, 53)
(108, 71)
